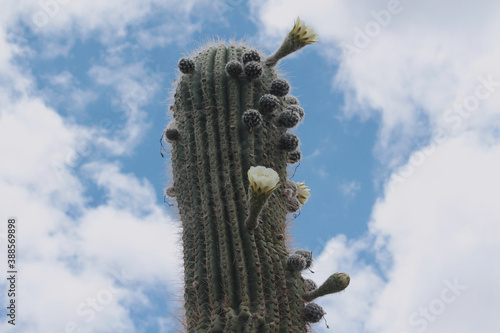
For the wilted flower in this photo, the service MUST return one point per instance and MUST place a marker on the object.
(303, 193)
(305, 34)
(262, 180)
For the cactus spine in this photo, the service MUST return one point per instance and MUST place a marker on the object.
(237, 274)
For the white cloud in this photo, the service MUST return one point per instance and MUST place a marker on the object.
(433, 236)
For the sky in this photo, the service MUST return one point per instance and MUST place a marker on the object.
(400, 143)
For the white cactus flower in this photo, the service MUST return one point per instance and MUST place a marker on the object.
(303, 193)
(305, 34)
(263, 180)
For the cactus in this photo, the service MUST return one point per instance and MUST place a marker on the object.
(229, 165)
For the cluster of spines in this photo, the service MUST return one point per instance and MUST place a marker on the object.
(223, 92)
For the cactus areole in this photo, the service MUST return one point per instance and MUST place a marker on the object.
(237, 271)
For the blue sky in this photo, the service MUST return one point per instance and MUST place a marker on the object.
(400, 143)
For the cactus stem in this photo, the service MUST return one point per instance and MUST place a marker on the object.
(255, 206)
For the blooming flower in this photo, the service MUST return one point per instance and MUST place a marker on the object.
(303, 193)
(262, 180)
(300, 36)
(305, 34)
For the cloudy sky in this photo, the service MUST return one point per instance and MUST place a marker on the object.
(401, 145)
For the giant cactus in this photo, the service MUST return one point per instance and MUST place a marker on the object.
(230, 148)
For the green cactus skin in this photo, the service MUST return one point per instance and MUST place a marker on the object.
(235, 278)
